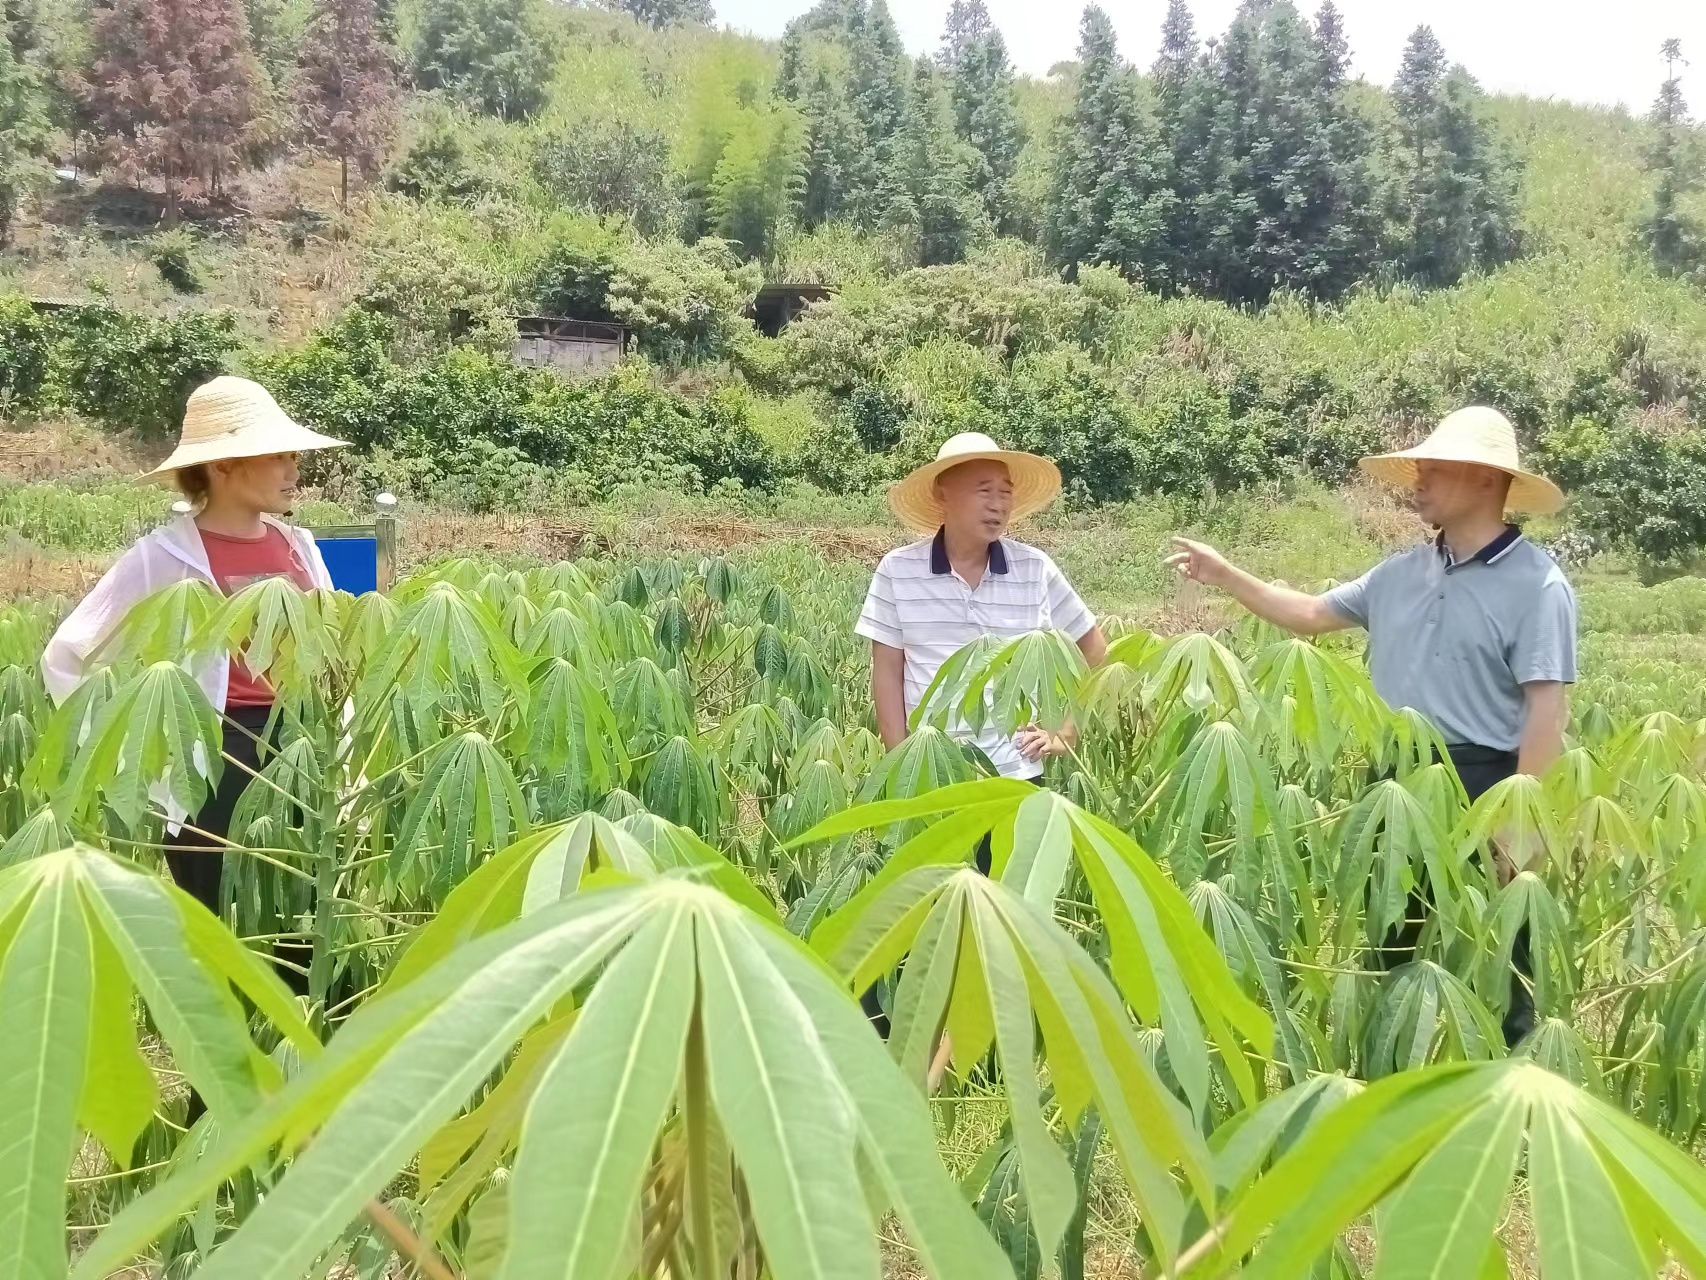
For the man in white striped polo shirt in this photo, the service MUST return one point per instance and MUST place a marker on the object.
(966, 581)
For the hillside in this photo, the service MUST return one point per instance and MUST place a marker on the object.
(639, 140)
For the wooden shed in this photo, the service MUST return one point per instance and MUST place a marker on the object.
(569, 346)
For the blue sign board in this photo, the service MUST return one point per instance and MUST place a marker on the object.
(352, 561)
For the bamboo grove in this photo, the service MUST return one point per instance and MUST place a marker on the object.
(589, 863)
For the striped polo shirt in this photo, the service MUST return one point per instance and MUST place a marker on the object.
(919, 605)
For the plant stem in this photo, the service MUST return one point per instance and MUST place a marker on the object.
(695, 1108)
(407, 1243)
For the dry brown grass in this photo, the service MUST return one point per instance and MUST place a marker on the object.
(56, 450)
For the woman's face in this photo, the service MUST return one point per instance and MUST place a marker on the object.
(267, 483)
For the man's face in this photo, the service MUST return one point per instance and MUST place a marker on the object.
(977, 498)
(1448, 491)
(266, 484)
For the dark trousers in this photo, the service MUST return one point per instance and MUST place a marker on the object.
(1481, 769)
(196, 862)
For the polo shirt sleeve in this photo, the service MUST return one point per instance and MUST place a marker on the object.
(879, 620)
(1350, 600)
(1545, 645)
(1066, 612)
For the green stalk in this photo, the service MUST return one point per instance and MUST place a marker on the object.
(696, 1120)
(325, 900)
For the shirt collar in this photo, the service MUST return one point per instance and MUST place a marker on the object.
(939, 554)
(1492, 553)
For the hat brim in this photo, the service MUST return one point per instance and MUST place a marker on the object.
(283, 436)
(1036, 483)
(1529, 493)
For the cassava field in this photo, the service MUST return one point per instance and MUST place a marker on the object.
(580, 836)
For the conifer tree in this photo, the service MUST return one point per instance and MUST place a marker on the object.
(490, 53)
(832, 151)
(926, 193)
(346, 87)
(967, 25)
(658, 14)
(878, 99)
(790, 66)
(23, 128)
(1105, 204)
(1674, 239)
(1456, 186)
(1287, 198)
(1178, 150)
(173, 90)
(986, 107)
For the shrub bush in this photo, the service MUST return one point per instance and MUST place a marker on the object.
(609, 429)
(1644, 490)
(23, 357)
(133, 371)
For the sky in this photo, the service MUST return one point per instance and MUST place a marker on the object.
(1600, 51)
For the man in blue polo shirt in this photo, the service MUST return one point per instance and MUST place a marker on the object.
(1476, 630)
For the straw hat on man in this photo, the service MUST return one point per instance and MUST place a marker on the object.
(236, 461)
(1475, 629)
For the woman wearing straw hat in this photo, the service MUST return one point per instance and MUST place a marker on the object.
(236, 463)
(1476, 630)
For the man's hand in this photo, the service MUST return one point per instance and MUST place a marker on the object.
(1037, 743)
(1199, 562)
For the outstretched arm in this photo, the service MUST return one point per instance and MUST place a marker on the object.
(1295, 611)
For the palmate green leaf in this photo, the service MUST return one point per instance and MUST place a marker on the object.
(1249, 953)
(162, 627)
(45, 1002)
(753, 746)
(679, 786)
(982, 962)
(564, 633)
(572, 728)
(277, 631)
(649, 707)
(1426, 1014)
(799, 1082)
(1444, 1144)
(79, 932)
(42, 832)
(674, 630)
(365, 624)
(1515, 815)
(66, 730)
(1009, 683)
(1388, 844)
(470, 797)
(1322, 699)
(1527, 902)
(446, 641)
(157, 729)
(1202, 674)
(1408, 742)
(1222, 770)
(1161, 959)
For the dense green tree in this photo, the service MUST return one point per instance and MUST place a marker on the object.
(658, 14)
(172, 91)
(927, 191)
(490, 53)
(1674, 239)
(877, 94)
(832, 152)
(986, 107)
(276, 31)
(346, 88)
(611, 165)
(790, 64)
(1285, 197)
(1106, 204)
(1177, 150)
(967, 25)
(759, 177)
(23, 128)
(1456, 187)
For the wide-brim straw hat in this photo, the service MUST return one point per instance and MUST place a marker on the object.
(1483, 437)
(236, 418)
(1036, 481)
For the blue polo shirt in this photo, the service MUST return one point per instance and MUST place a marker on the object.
(1457, 641)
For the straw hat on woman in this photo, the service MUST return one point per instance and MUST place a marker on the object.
(236, 463)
